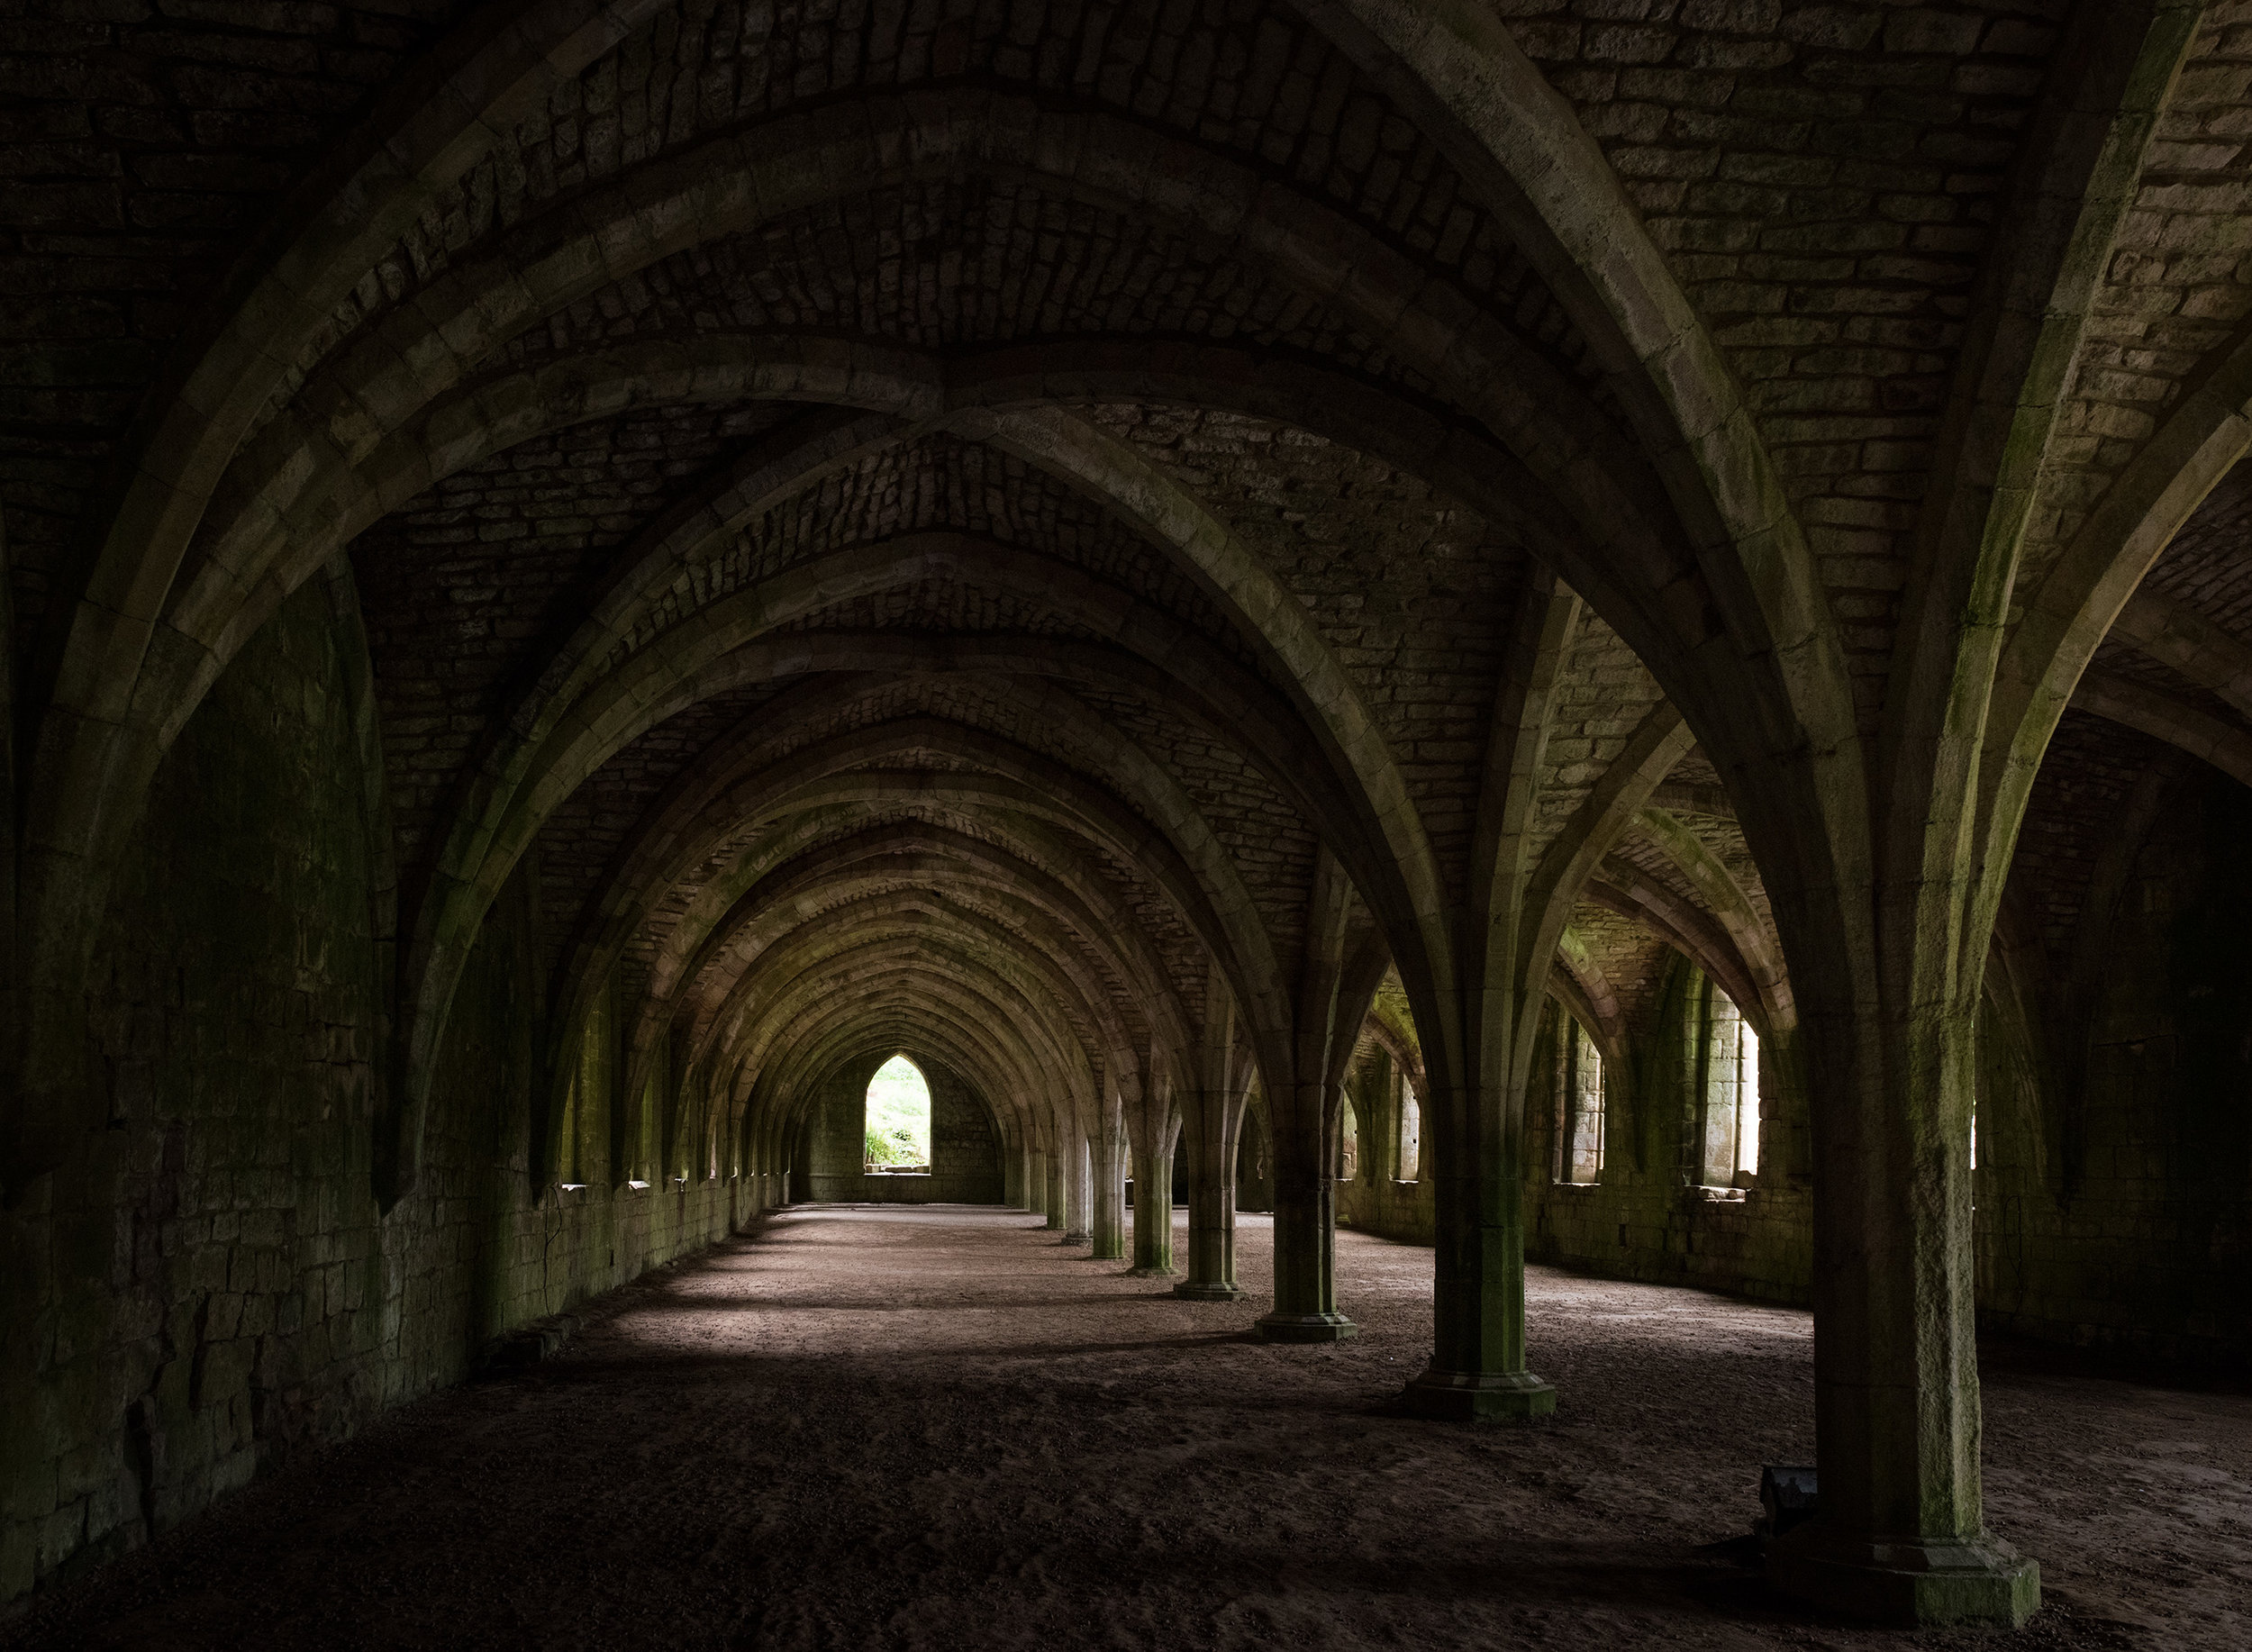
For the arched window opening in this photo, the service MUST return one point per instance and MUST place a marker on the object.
(1411, 1134)
(1347, 1143)
(567, 1170)
(1579, 1107)
(899, 1120)
(1729, 1128)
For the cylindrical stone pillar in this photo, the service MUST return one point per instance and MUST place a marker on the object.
(1078, 1192)
(1059, 1192)
(1305, 1229)
(1211, 1200)
(1108, 1236)
(1477, 1371)
(1900, 1534)
(1153, 1215)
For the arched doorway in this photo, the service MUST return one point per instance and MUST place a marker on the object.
(896, 1127)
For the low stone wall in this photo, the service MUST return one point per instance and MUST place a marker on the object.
(886, 1189)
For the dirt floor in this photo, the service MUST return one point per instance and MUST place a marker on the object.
(896, 1428)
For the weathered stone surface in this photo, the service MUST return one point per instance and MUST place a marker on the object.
(1203, 570)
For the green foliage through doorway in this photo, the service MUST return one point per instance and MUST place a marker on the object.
(899, 1116)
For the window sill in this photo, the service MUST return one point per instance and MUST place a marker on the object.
(1578, 1186)
(1721, 1195)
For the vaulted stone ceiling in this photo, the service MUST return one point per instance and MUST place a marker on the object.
(1046, 533)
(886, 493)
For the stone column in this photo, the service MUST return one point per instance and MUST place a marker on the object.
(1153, 1199)
(1901, 1532)
(1108, 1236)
(1210, 1124)
(1305, 1226)
(1059, 1193)
(1035, 1180)
(1473, 1155)
(1078, 1191)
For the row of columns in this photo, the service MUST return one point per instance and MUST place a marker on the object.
(1081, 1193)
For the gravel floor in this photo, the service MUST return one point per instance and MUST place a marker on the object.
(880, 1427)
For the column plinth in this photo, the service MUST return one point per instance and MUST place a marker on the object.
(1307, 1328)
(1479, 1396)
(1909, 1583)
(1210, 1291)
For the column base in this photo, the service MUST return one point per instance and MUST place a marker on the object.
(1107, 1255)
(1912, 1584)
(1479, 1396)
(1074, 1238)
(1153, 1272)
(1307, 1328)
(1206, 1291)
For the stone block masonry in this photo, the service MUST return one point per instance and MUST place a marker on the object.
(207, 1284)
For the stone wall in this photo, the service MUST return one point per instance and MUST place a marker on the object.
(965, 1144)
(2114, 1178)
(2113, 1187)
(207, 1283)
(1643, 1219)
(1374, 1198)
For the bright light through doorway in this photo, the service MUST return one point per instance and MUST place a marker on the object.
(899, 1116)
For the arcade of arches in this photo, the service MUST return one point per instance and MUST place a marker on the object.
(1567, 631)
